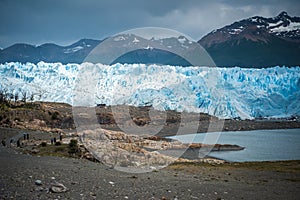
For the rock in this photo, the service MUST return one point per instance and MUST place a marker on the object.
(134, 176)
(35, 151)
(58, 188)
(93, 194)
(38, 182)
(110, 182)
(39, 188)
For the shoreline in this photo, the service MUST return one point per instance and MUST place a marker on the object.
(89, 180)
(84, 179)
(56, 119)
(37, 137)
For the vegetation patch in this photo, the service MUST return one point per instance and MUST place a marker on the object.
(292, 166)
(58, 149)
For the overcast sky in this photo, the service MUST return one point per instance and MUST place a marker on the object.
(66, 21)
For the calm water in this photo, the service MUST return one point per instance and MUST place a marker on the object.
(261, 145)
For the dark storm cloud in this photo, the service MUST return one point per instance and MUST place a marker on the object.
(65, 21)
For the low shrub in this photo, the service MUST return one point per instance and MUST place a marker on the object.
(44, 144)
(73, 146)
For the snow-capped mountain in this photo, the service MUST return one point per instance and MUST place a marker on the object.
(283, 26)
(256, 42)
(49, 52)
(152, 50)
(223, 92)
(138, 49)
(257, 29)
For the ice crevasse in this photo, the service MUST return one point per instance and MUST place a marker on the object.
(244, 93)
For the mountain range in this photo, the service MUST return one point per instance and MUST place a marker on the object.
(256, 42)
(253, 42)
(49, 52)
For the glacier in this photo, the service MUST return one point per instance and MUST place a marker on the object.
(235, 92)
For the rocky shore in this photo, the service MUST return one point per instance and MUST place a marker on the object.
(142, 153)
(36, 168)
(113, 148)
(46, 177)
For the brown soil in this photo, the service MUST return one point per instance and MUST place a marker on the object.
(57, 117)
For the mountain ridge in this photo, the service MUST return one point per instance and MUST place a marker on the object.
(253, 42)
(48, 52)
(281, 26)
(256, 42)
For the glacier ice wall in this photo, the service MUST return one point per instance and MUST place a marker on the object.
(223, 92)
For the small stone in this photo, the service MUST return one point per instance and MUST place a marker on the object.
(39, 188)
(35, 151)
(52, 178)
(58, 188)
(110, 182)
(38, 182)
(92, 194)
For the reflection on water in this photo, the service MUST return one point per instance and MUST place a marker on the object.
(261, 145)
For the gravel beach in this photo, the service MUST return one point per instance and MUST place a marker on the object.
(31, 177)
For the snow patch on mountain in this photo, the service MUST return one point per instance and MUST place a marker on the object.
(148, 47)
(291, 27)
(73, 50)
(223, 92)
(119, 38)
(135, 40)
(182, 40)
(282, 25)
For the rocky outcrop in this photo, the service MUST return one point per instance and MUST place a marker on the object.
(119, 150)
(217, 147)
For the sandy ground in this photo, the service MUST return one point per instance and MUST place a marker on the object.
(89, 180)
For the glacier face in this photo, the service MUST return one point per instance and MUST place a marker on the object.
(223, 92)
